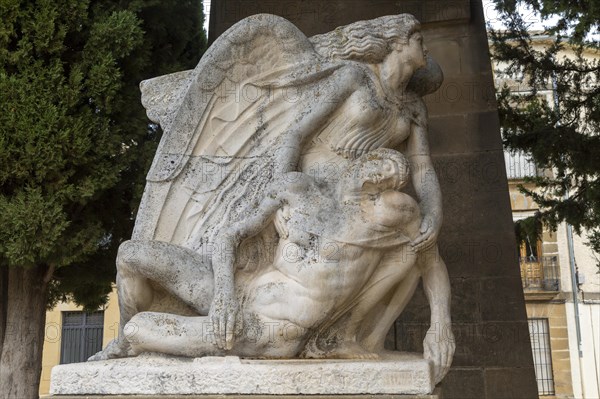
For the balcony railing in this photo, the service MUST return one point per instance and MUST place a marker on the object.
(519, 165)
(540, 273)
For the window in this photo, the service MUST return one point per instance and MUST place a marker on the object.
(539, 334)
(519, 165)
(532, 274)
(81, 336)
(529, 249)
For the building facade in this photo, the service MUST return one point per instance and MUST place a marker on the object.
(565, 347)
(73, 335)
(561, 283)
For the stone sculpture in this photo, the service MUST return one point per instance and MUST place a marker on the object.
(273, 224)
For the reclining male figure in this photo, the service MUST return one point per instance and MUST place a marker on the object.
(330, 248)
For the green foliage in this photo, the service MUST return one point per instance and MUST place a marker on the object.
(562, 135)
(74, 139)
(528, 231)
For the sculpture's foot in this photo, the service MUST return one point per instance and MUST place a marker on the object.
(351, 350)
(114, 349)
(346, 350)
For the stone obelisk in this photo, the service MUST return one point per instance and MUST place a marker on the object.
(493, 355)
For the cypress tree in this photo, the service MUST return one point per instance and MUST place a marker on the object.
(75, 145)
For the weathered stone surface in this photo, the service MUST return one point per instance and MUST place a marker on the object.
(291, 210)
(160, 375)
(435, 395)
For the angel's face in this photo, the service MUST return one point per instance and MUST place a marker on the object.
(403, 60)
(415, 51)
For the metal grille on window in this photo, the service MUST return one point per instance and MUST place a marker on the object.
(81, 336)
(519, 165)
(539, 333)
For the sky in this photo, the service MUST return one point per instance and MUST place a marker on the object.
(529, 16)
(206, 4)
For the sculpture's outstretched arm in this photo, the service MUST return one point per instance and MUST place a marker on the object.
(224, 308)
(439, 342)
(223, 313)
(425, 182)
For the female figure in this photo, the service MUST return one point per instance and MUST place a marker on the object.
(386, 110)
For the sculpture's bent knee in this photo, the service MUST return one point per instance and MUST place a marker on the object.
(129, 256)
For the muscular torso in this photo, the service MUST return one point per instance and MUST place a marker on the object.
(314, 275)
(307, 282)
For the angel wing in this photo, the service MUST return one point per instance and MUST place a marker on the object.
(240, 118)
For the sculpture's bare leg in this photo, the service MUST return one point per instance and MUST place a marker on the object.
(395, 273)
(172, 334)
(381, 318)
(439, 342)
(178, 270)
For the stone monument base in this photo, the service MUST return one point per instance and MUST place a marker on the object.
(435, 395)
(397, 374)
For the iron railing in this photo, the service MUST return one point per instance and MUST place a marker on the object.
(539, 333)
(519, 165)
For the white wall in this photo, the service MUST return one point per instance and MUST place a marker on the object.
(590, 326)
(585, 370)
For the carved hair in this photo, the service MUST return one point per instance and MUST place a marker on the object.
(366, 41)
(381, 154)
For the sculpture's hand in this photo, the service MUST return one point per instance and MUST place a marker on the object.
(439, 348)
(281, 218)
(428, 234)
(223, 314)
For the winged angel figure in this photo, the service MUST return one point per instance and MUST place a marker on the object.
(273, 224)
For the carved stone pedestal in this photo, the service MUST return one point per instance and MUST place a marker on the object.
(435, 395)
(395, 376)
